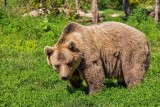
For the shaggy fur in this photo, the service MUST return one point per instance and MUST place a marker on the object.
(109, 49)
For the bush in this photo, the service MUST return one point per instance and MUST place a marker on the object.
(147, 2)
(139, 15)
(3, 15)
(29, 27)
(111, 4)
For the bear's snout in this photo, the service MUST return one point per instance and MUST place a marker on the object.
(64, 76)
(64, 73)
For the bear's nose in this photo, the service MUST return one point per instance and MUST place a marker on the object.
(64, 74)
(65, 78)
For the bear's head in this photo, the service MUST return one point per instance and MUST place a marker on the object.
(65, 59)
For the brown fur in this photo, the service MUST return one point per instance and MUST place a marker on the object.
(109, 49)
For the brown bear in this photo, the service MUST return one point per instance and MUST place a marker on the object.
(91, 53)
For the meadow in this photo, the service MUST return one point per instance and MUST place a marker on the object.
(27, 80)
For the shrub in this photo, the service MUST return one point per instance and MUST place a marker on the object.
(111, 4)
(139, 15)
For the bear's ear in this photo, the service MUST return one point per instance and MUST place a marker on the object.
(48, 50)
(71, 27)
(72, 46)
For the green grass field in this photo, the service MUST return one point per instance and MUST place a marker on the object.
(27, 80)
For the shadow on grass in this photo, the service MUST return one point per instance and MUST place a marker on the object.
(82, 89)
(108, 84)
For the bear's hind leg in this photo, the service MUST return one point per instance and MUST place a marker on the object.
(134, 76)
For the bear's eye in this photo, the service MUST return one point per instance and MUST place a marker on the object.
(57, 66)
(69, 64)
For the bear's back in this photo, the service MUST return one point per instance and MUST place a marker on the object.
(126, 31)
(115, 33)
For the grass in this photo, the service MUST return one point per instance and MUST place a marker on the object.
(27, 80)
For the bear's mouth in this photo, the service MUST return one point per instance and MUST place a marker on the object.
(65, 78)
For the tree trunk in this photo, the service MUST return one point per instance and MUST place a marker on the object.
(126, 8)
(157, 11)
(4, 3)
(95, 11)
(77, 6)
